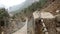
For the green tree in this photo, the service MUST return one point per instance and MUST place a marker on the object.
(3, 13)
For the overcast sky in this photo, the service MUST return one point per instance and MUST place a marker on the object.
(15, 4)
(9, 3)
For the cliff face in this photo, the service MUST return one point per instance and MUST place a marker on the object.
(53, 7)
(51, 24)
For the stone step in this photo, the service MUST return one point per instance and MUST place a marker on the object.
(58, 29)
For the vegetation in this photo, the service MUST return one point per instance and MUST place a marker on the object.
(3, 13)
(29, 10)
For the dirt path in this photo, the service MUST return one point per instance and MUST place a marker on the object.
(23, 30)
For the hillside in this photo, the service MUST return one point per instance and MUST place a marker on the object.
(27, 12)
(48, 21)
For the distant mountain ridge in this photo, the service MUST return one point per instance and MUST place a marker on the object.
(18, 8)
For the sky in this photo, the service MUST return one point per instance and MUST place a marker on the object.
(9, 3)
(13, 5)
